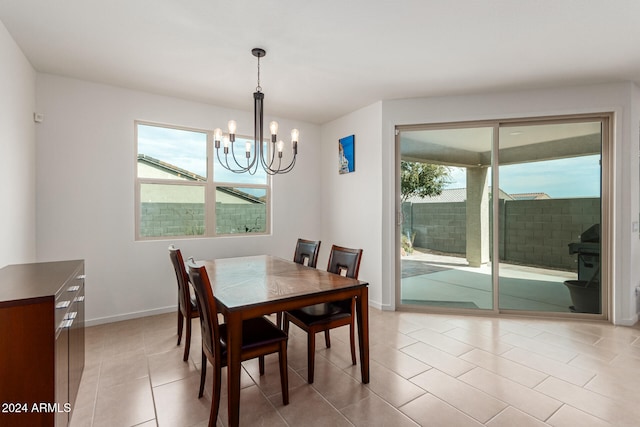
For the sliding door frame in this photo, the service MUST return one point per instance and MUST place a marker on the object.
(606, 212)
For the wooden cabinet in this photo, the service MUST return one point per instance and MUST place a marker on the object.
(41, 342)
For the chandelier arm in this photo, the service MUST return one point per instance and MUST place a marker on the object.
(241, 168)
(272, 171)
(289, 166)
(280, 170)
(225, 164)
(273, 155)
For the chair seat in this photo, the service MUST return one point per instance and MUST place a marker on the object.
(322, 309)
(332, 312)
(256, 332)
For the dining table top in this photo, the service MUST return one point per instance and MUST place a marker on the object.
(241, 282)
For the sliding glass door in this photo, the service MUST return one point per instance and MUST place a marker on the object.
(503, 216)
(445, 177)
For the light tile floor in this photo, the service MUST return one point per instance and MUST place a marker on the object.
(428, 370)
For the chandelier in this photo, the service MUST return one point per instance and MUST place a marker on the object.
(262, 153)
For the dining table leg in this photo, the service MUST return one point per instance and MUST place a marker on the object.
(362, 313)
(234, 348)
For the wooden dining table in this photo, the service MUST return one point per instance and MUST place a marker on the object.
(253, 286)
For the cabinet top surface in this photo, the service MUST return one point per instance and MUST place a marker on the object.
(36, 280)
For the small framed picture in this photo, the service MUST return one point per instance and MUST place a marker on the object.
(346, 154)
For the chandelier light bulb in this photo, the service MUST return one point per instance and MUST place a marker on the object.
(232, 127)
(273, 126)
(226, 142)
(280, 146)
(294, 135)
(217, 135)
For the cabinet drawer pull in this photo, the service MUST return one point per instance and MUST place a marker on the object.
(79, 299)
(73, 288)
(66, 324)
(81, 277)
(70, 316)
(63, 304)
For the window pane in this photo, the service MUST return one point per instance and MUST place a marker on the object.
(446, 229)
(165, 153)
(220, 174)
(241, 210)
(171, 210)
(551, 218)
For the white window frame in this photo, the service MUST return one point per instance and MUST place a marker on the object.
(209, 190)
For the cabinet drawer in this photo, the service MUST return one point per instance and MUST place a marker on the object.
(66, 301)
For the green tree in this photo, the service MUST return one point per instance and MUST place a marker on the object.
(422, 179)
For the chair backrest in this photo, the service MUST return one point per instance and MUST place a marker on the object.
(207, 306)
(307, 252)
(344, 261)
(182, 277)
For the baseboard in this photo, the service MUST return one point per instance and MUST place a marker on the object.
(129, 316)
(380, 306)
(628, 322)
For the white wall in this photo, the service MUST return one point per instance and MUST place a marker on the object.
(17, 154)
(85, 193)
(351, 203)
(622, 99)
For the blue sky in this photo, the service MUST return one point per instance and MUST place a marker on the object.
(188, 150)
(572, 177)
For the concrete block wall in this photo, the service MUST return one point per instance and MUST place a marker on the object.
(171, 219)
(533, 232)
(240, 218)
(439, 226)
(186, 219)
(538, 232)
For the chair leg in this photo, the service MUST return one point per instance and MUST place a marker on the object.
(279, 319)
(215, 396)
(327, 338)
(261, 364)
(187, 344)
(311, 355)
(284, 374)
(180, 323)
(353, 343)
(203, 375)
(285, 324)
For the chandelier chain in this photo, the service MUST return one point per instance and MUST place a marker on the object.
(258, 88)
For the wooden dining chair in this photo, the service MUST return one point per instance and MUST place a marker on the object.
(259, 338)
(187, 307)
(323, 317)
(306, 253)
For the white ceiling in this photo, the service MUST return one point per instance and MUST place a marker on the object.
(327, 58)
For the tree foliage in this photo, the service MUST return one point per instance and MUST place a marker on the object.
(422, 179)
